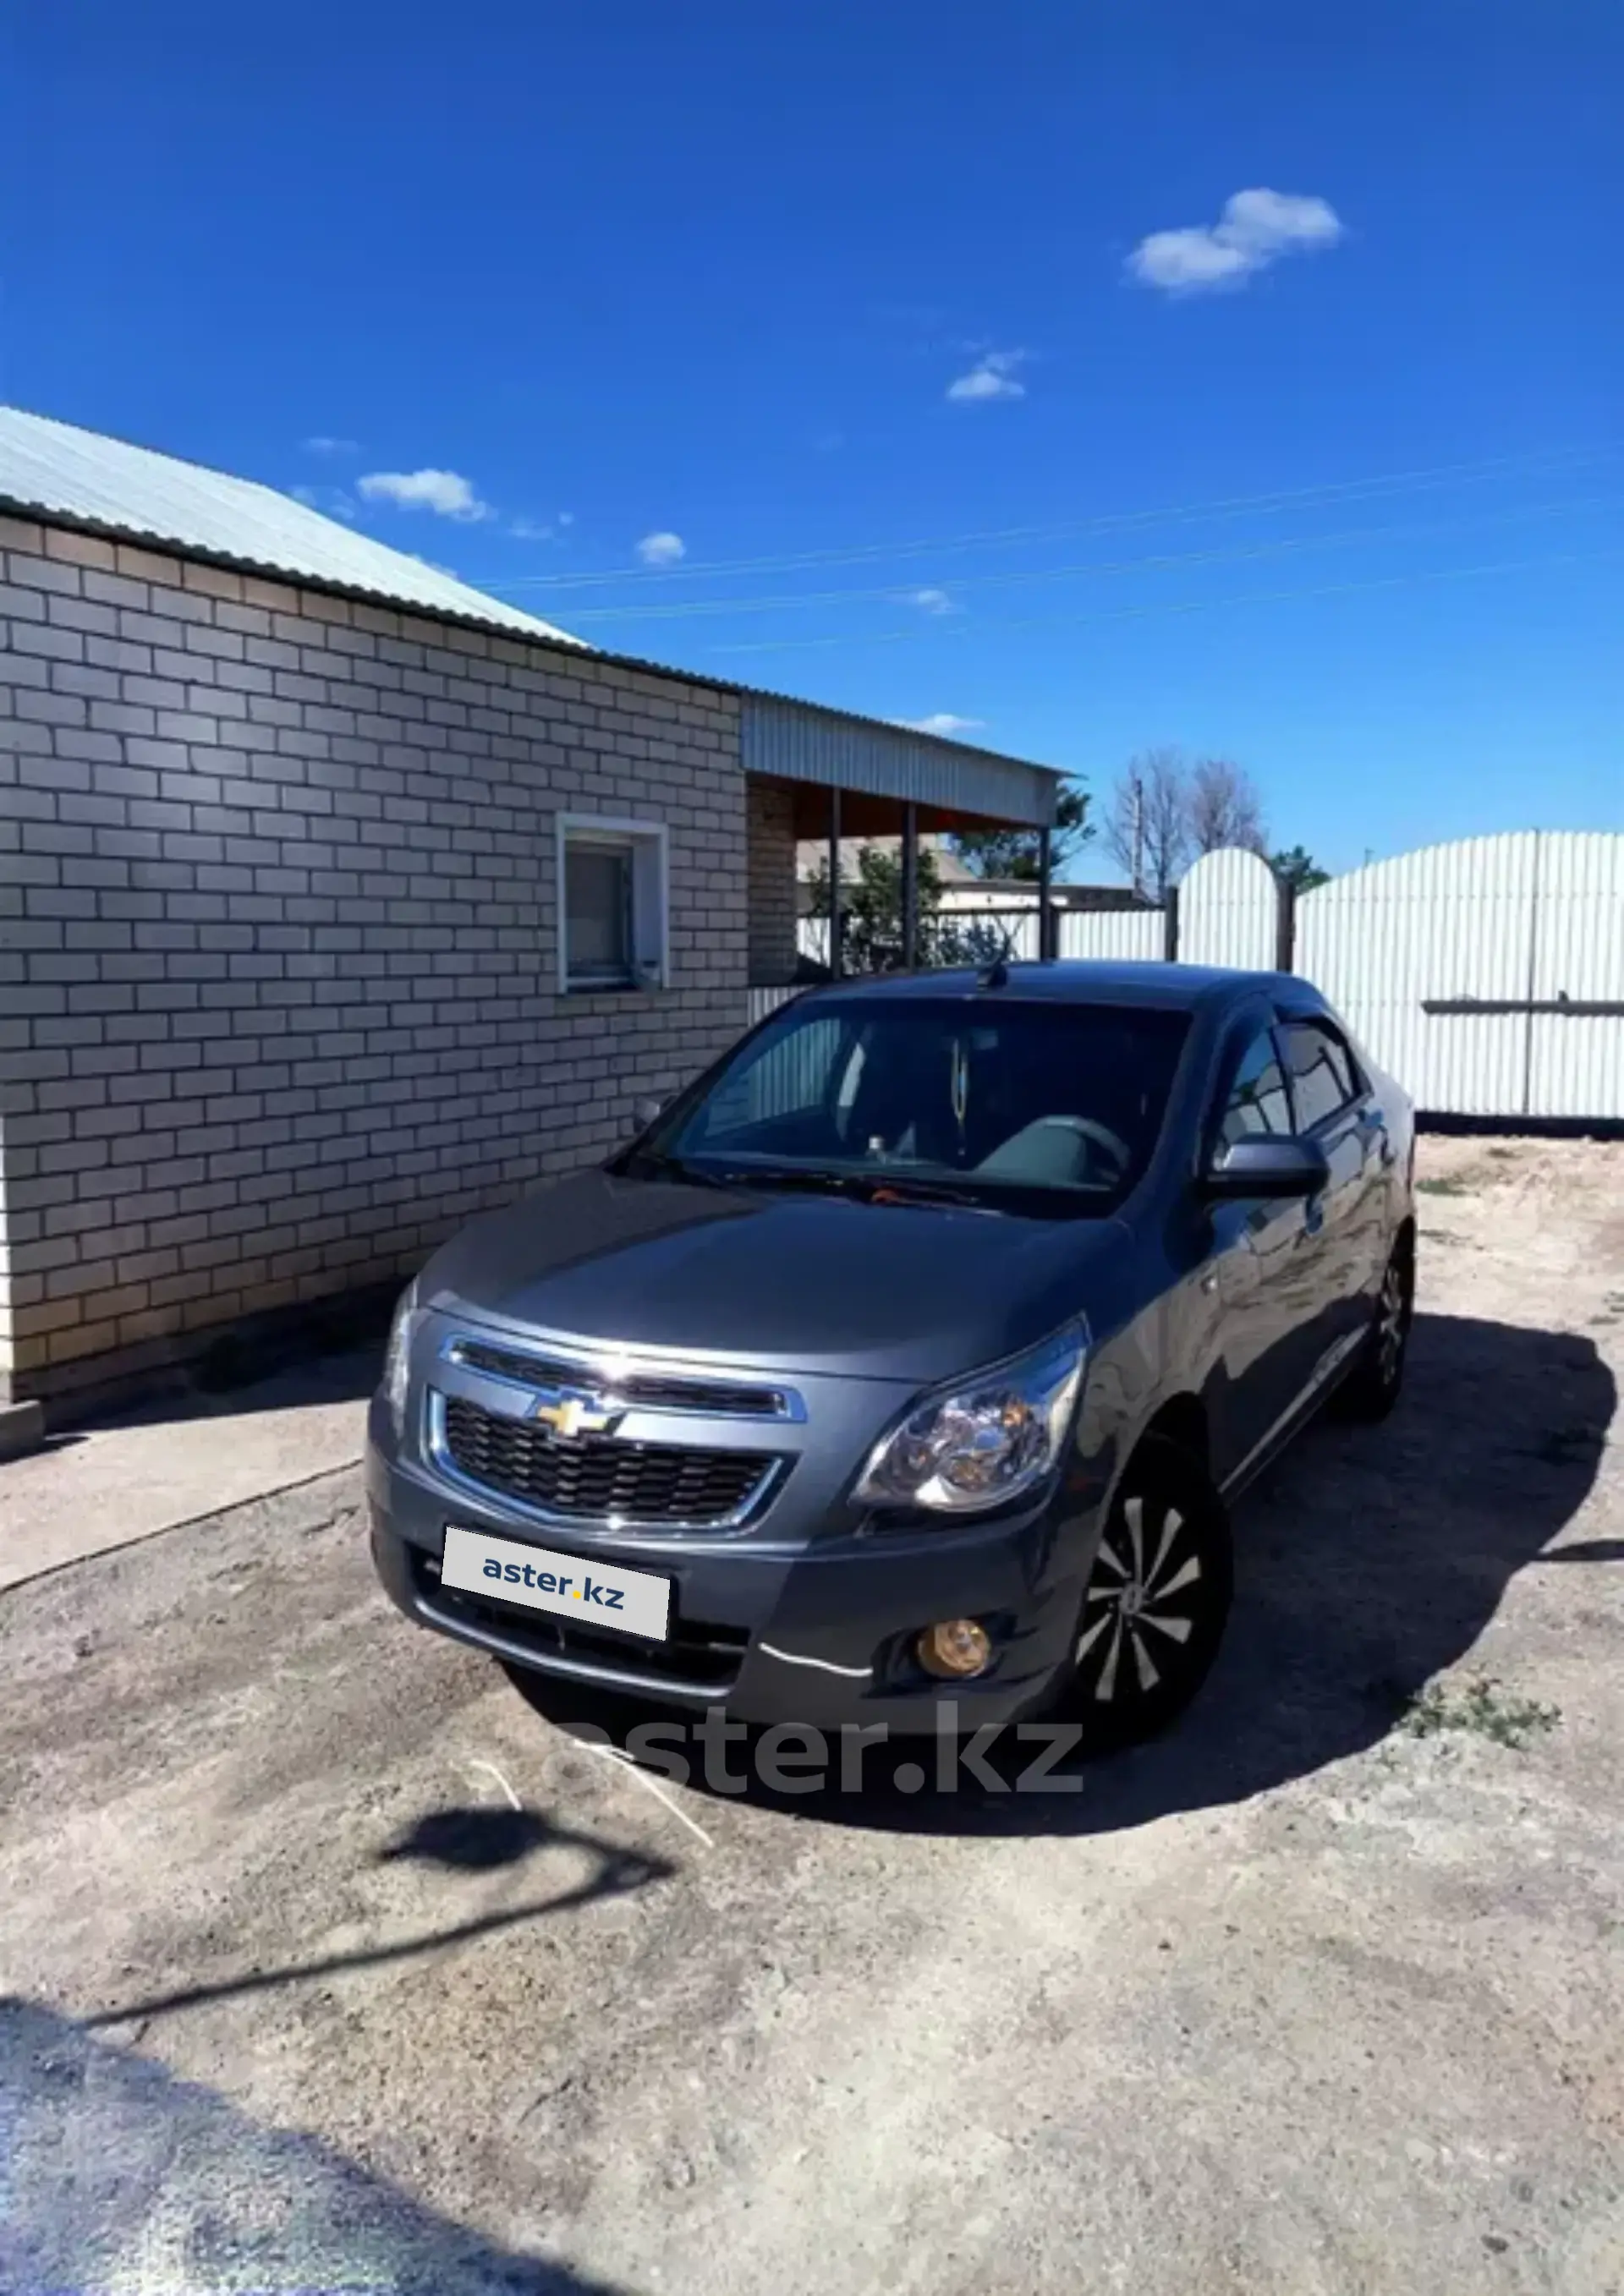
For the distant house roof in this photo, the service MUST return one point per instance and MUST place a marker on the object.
(55, 469)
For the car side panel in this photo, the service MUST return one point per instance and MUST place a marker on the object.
(1251, 1298)
(1338, 1246)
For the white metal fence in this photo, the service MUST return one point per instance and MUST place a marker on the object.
(1487, 975)
(1481, 973)
(1136, 935)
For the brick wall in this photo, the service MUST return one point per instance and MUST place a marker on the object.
(771, 884)
(278, 989)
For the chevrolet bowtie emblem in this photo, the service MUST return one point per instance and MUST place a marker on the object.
(569, 1415)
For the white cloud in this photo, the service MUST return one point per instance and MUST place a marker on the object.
(993, 376)
(566, 518)
(333, 502)
(323, 445)
(943, 722)
(931, 602)
(446, 493)
(531, 530)
(661, 549)
(1256, 230)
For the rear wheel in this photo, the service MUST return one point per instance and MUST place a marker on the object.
(1157, 1599)
(1372, 1386)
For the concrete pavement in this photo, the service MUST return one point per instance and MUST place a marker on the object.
(94, 1489)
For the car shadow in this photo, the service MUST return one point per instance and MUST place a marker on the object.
(112, 2164)
(1368, 1560)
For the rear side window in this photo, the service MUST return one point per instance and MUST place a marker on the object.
(1257, 1101)
(1321, 1071)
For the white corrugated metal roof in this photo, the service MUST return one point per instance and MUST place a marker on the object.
(52, 467)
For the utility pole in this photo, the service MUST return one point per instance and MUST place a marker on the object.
(1139, 836)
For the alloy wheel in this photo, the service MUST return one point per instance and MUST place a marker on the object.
(1392, 1316)
(1157, 1595)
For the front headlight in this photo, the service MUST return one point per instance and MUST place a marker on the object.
(398, 1354)
(985, 1439)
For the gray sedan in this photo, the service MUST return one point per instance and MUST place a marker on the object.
(911, 1356)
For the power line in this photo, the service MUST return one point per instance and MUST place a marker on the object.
(1186, 606)
(1422, 481)
(687, 608)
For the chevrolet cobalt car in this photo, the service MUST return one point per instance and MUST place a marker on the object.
(912, 1353)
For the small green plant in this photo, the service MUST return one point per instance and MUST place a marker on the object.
(1440, 1188)
(1481, 1708)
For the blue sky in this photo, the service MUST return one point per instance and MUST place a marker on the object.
(1329, 481)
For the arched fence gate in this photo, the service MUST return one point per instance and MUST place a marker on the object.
(1486, 975)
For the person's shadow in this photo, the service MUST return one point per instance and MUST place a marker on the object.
(1368, 1561)
(112, 2162)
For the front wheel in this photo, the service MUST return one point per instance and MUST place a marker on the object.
(1154, 1609)
(1372, 1387)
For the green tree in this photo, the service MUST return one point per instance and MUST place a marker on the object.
(1299, 869)
(870, 910)
(1013, 853)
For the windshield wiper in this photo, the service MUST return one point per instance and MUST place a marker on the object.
(790, 1176)
(864, 1187)
(672, 1168)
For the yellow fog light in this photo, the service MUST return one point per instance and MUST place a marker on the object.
(953, 1647)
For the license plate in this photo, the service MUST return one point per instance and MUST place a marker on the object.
(591, 1593)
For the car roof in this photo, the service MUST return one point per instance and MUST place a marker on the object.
(1169, 988)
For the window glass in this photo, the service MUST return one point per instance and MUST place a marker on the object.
(1006, 1094)
(598, 906)
(1257, 1101)
(790, 1078)
(1321, 1079)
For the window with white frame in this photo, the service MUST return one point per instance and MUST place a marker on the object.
(612, 902)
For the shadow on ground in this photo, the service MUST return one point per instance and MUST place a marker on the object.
(469, 1840)
(1368, 1561)
(116, 2174)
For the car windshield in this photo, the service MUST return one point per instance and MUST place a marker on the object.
(1039, 1107)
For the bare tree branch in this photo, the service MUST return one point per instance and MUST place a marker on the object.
(1146, 828)
(1225, 807)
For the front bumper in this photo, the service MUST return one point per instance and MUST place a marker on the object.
(819, 1632)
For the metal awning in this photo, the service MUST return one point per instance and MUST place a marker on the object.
(789, 741)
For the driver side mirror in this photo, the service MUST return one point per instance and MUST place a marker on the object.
(1267, 1164)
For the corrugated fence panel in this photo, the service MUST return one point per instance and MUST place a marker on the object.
(1529, 917)
(1136, 936)
(1576, 1063)
(1229, 911)
(1016, 928)
(971, 936)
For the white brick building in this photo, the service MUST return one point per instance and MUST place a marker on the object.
(285, 821)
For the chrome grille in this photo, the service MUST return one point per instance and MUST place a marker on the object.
(599, 1476)
(652, 1391)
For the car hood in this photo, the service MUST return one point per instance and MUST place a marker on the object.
(780, 1281)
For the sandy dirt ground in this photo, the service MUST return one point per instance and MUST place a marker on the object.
(1323, 1992)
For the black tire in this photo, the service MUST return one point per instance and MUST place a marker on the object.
(1374, 1385)
(1157, 1600)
